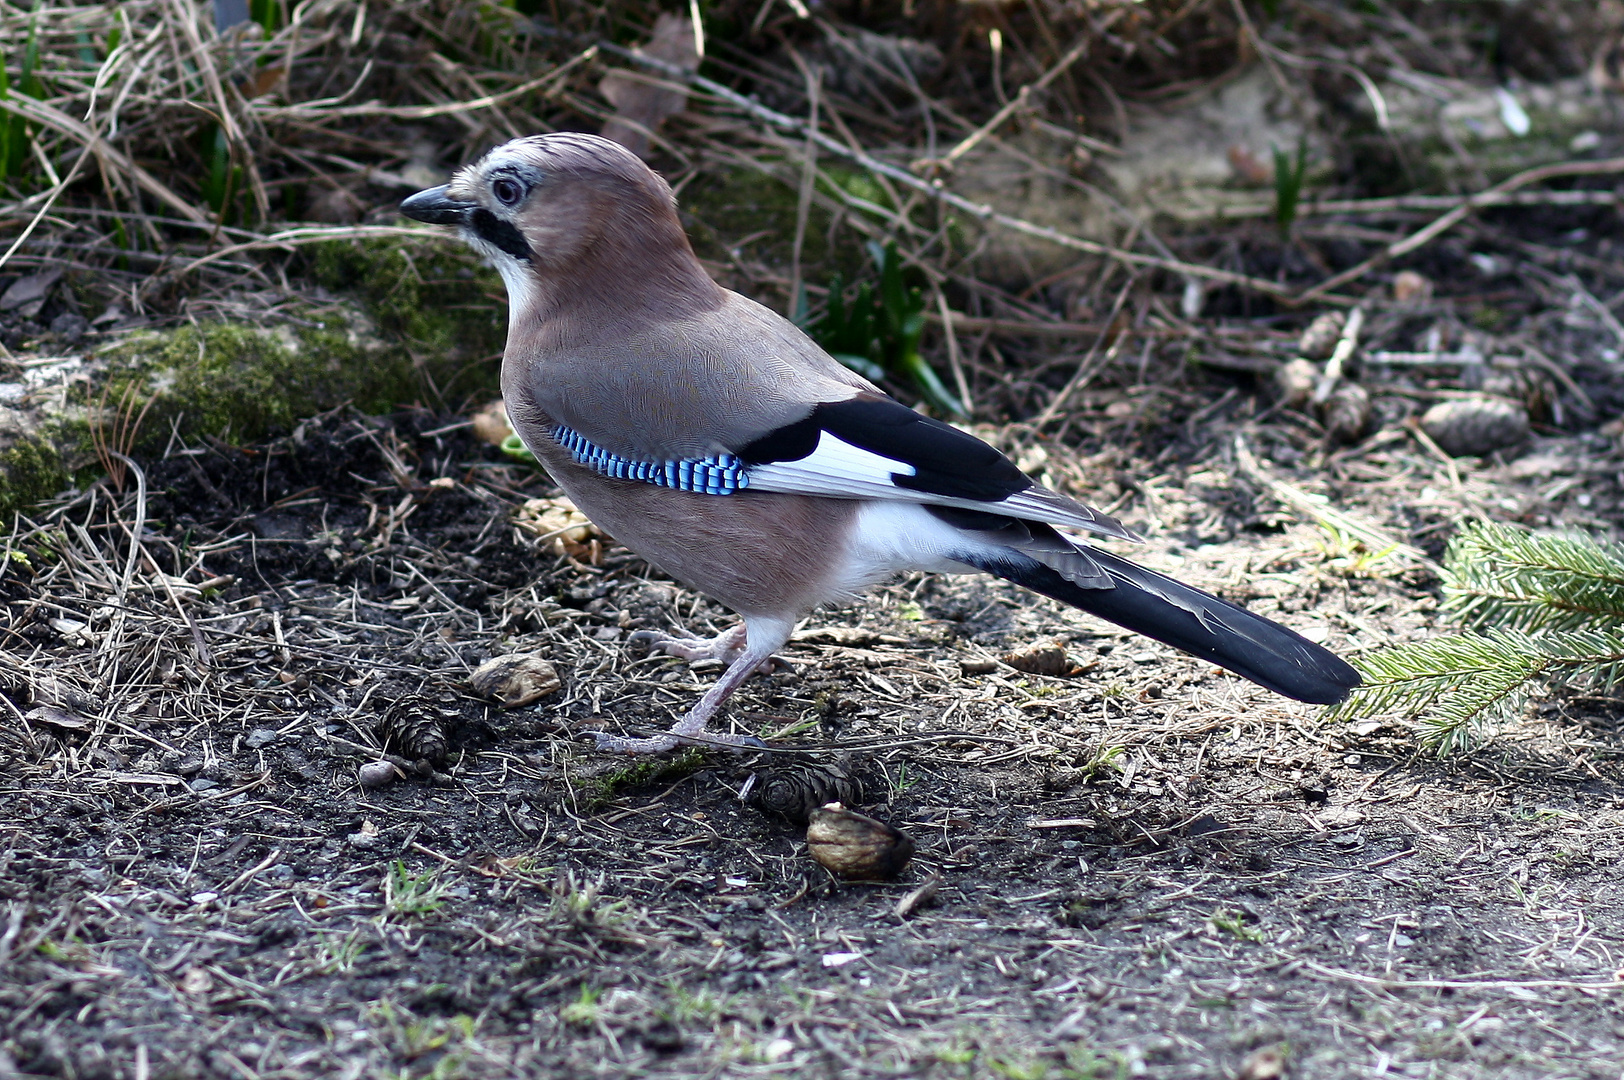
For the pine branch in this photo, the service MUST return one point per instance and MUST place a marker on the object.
(1463, 680)
(1501, 575)
(1549, 609)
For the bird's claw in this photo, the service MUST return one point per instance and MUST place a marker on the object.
(659, 744)
(684, 645)
(617, 744)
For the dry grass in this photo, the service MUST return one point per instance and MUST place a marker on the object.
(1144, 867)
(149, 141)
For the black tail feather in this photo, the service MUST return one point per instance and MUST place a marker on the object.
(1187, 618)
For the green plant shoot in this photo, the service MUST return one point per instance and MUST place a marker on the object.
(878, 335)
(1288, 184)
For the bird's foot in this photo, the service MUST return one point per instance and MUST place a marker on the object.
(726, 647)
(659, 744)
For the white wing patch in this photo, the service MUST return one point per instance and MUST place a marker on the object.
(838, 470)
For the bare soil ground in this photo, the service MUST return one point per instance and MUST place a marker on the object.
(1147, 867)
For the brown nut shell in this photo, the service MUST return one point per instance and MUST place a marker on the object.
(1042, 658)
(515, 680)
(856, 846)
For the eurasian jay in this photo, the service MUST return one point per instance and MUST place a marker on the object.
(719, 442)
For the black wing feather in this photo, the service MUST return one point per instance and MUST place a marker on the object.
(946, 461)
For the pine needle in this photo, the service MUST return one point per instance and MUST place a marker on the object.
(1500, 575)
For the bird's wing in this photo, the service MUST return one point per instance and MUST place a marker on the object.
(874, 447)
(681, 403)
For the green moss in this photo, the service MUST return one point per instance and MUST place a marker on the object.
(596, 792)
(429, 329)
(433, 297)
(241, 382)
(721, 211)
(31, 470)
(747, 206)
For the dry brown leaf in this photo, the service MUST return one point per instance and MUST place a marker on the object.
(643, 101)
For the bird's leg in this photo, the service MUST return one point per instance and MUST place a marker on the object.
(761, 640)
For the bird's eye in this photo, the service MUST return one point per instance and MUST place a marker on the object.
(508, 192)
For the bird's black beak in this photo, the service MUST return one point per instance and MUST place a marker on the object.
(436, 208)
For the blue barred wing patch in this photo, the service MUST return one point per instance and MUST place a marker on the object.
(719, 474)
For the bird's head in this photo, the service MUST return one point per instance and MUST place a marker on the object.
(567, 210)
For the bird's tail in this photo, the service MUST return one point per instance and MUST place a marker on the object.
(1187, 618)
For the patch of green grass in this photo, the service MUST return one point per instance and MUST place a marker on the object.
(1349, 556)
(16, 134)
(975, 1056)
(584, 1011)
(703, 1006)
(1288, 184)
(407, 893)
(1234, 923)
(443, 1043)
(338, 954)
(582, 905)
(1103, 763)
(876, 331)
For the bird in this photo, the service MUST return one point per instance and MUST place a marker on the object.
(719, 442)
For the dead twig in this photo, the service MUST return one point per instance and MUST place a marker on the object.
(1423, 236)
(937, 191)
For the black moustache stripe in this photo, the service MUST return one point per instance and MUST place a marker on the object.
(493, 230)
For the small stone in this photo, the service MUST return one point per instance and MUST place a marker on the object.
(856, 846)
(515, 680)
(1295, 381)
(336, 206)
(1267, 1063)
(1410, 287)
(259, 738)
(1472, 427)
(69, 328)
(1319, 340)
(377, 774)
(196, 981)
